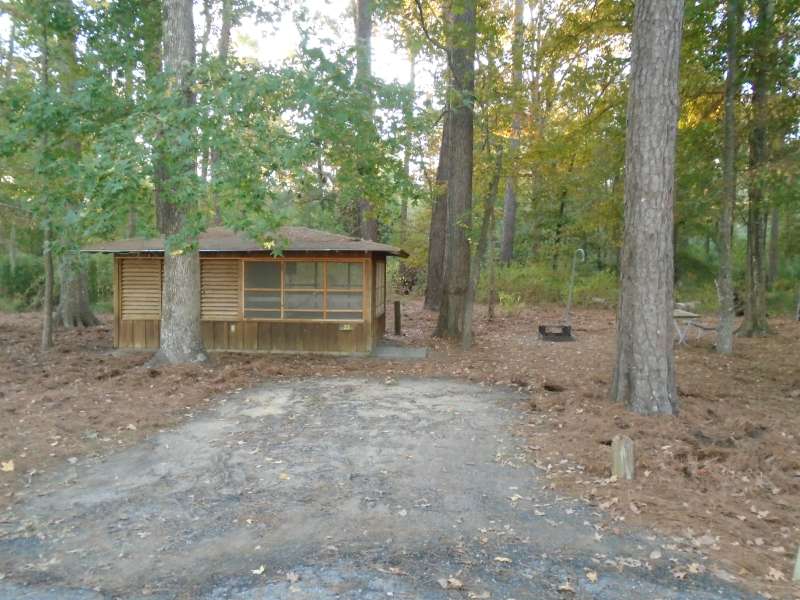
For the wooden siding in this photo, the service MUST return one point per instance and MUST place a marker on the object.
(275, 336)
(223, 327)
(140, 297)
(140, 334)
(220, 290)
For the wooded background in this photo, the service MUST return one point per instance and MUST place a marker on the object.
(135, 117)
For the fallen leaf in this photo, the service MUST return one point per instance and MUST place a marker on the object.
(775, 575)
(591, 576)
(566, 587)
(284, 476)
(502, 559)
(677, 574)
(7, 466)
(259, 571)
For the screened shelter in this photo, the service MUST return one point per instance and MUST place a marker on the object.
(326, 293)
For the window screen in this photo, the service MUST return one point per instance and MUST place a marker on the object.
(304, 290)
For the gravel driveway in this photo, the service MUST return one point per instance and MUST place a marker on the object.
(335, 488)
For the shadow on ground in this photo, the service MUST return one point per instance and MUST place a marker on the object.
(342, 488)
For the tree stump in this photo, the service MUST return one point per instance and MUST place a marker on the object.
(622, 462)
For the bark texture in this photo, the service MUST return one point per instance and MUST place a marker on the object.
(510, 199)
(487, 221)
(461, 43)
(47, 299)
(644, 376)
(725, 279)
(181, 339)
(438, 229)
(223, 50)
(368, 222)
(774, 248)
(755, 309)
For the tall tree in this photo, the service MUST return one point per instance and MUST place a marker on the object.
(461, 36)
(644, 376)
(223, 50)
(773, 251)
(510, 200)
(181, 339)
(438, 228)
(755, 311)
(74, 308)
(725, 280)
(368, 222)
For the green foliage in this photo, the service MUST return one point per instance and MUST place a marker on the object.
(537, 283)
(21, 286)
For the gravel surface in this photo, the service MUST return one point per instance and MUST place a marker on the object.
(332, 488)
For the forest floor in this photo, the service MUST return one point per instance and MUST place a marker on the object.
(722, 478)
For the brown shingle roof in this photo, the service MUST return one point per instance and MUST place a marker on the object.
(221, 239)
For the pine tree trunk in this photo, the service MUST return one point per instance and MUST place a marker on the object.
(510, 200)
(755, 311)
(774, 249)
(181, 339)
(407, 152)
(223, 50)
(368, 222)
(461, 42)
(47, 244)
(11, 247)
(492, 276)
(487, 220)
(725, 280)
(644, 376)
(47, 299)
(438, 228)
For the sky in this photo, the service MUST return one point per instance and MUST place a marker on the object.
(270, 43)
(274, 42)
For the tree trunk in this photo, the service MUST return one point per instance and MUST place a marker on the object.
(407, 152)
(461, 42)
(510, 200)
(47, 244)
(11, 247)
(368, 222)
(644, 376)
(773, 253)
(181, 339)
(755, 311)
(74, 306)
(559, 226)
(487, 220)
(438, 228)
(47, 299)
(492, 276)
(725, 280)
(223, 49)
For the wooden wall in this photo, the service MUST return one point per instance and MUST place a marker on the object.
(328, 337)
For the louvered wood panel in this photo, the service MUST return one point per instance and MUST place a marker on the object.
(141, 289)
(220, 294)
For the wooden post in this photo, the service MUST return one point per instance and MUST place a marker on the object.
(397, 316)
(622, 463)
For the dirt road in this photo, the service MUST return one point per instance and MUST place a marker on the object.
(334, 488)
